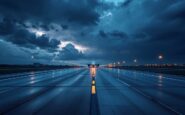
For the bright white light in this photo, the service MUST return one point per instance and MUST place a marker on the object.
(135, 60)
(77, 46)
(64, 44)
(38, 33)
(160, 57)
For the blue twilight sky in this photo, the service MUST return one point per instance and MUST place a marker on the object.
(86, 31)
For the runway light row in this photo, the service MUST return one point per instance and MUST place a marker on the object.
(93, 82)
(93, 87)
(93, 75)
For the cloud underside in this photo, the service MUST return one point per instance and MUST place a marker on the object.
(109, 30)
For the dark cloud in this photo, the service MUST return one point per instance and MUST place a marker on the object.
(102, 34)
(168, 25)
(163, 35)
(118, 34)
(83, 13)
(126, 3)
(22, 37)
(46, 27)
(7, 26)
(175, 12)
(154, 27)
(41, 55)
(69, 52)
(65, 27)
(113, 34)
(11, 54)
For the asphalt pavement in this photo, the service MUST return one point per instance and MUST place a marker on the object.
(99, 92)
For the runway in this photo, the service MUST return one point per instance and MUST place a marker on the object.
(69, 92)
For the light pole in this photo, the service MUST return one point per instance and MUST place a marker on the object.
(160, 57)
(135, 61)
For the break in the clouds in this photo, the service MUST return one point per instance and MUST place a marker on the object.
(85, 31)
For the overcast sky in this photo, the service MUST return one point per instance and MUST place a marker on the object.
(91, 31)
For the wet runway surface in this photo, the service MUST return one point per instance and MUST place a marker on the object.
(78, 92)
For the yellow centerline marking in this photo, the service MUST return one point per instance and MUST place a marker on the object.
(93, 89)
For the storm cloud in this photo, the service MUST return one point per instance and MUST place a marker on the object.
(101, 31)
(69, 52)
(48, 11)
(23, 37)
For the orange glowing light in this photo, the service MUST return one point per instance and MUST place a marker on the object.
(93, 71)
(93, 90)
